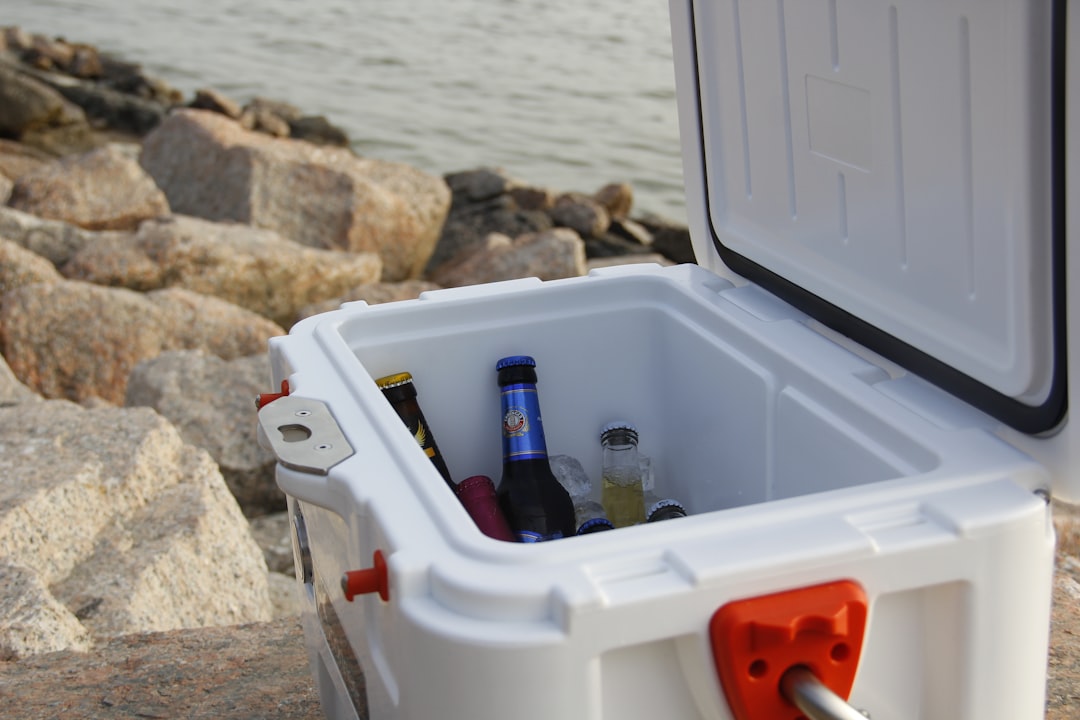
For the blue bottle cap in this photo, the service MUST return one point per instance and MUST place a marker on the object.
(596, 524)
(515, 360)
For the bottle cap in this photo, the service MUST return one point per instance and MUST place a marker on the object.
(475, 483)
(394, 380)
(513, 360)
(596, 524)
(666, 508)
(477, 494)
(619, 425)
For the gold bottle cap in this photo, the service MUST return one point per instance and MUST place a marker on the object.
(389, 381)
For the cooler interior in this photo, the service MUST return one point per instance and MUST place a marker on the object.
(736, 399)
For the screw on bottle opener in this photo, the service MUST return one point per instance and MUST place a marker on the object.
(803, 690)
(303, 434)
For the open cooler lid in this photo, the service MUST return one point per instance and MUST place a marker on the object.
(896, 171)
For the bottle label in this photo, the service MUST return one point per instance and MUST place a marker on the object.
(522, 429)
(420, 434)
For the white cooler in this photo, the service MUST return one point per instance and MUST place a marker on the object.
(860, 395)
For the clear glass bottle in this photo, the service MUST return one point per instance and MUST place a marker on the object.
(535, 504)
(621, 491)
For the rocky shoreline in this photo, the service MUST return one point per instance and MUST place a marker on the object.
(149, 245)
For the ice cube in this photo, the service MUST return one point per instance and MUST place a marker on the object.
(570, 473)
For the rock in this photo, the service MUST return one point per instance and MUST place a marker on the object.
(130, 528)
(101, 190)
(17, 40)
(210, 99)
(627, 229)
(185, 560)
(261, 119)
(47, 53)
(193, 321)
(78, 341)
(210, 402)
(284, 595)
(6, 186)
(580, 213)
(19, 266)
(255, 269)
(322, 197)
(26, 104)
(1067, 525)
(32, 621)
(273, 533)
(533, 198)
(115, 260)
(548, 255)
(70, 139)
(610, 245)
(85, 63)
(318, 130)
(56, 241)
(616, 198)
(478, 185)
(130, 79)
(372, 294)
(113, 109)
(284, 110)
(468, 224)
(17, 159)
(670, 239)
(13, 392)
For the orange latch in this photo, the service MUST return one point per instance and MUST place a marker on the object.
(756, 640)
(263, 399)
(369, 580)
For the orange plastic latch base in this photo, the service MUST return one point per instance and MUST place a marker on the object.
(264, 399)
(754, 641)
(370, 580)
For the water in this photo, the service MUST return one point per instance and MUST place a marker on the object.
(562, 93)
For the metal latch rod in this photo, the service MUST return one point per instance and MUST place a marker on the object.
(802, 689)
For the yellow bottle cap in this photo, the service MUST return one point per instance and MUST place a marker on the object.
(394, 380)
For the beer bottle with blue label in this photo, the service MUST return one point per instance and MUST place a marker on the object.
(536, 505)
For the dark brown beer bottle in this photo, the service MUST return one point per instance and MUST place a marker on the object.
(536, 505)
(401, 393)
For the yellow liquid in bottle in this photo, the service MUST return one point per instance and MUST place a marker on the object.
(624, 503)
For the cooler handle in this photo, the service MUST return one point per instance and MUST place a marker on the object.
(803, 690)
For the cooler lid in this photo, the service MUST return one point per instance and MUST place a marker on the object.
(896, 170)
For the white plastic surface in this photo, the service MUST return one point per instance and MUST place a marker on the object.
(1023, 324)
(893, 159)
(800, 462)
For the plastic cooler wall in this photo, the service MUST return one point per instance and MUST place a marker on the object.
(800, 462)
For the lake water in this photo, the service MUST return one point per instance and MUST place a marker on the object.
(562, 93)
